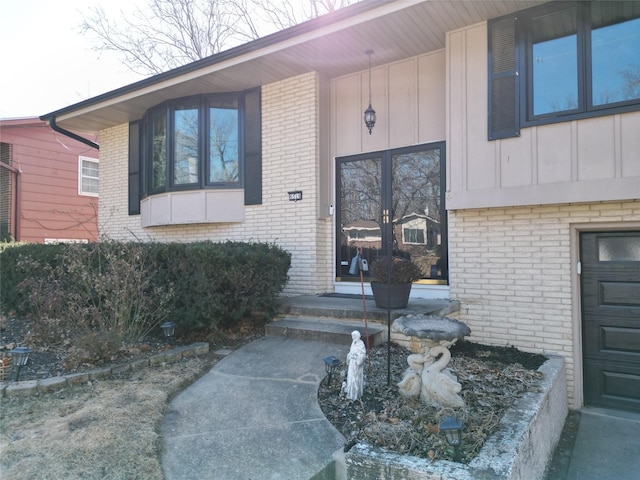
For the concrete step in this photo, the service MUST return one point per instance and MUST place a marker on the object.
(351, 307)
(333, 331)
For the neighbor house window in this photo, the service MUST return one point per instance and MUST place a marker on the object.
(563, 61)
(88, 176)
(413, 235)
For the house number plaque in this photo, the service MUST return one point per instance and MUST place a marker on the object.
(295, 196)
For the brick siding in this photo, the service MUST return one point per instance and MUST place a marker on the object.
(511, 270)
(289, 162)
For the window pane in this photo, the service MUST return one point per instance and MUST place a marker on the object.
(159, 173)
(619, 249)
(223, 142)
(413, 235)
(185, 151)
(90, 185)
(616, 62)
(555, 62)
(90, 174)
(89, 169)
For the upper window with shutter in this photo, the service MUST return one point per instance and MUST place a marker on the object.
(563, 61)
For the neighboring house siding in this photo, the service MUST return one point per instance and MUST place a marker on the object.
(290, 162)
(50, 207)
(576, 161)
(7, 193)
(513, 271)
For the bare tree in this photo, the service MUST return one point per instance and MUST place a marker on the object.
(169, 33)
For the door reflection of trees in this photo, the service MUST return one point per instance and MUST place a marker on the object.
(407, 185)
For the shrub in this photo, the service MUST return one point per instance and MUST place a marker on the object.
(216, 285)
(21, 261)
(403, 270)
(94, 290)
(102, 295)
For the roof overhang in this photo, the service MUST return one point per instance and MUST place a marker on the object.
(333, 45)
(21, 121)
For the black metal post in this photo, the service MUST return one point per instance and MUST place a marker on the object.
(390, 253)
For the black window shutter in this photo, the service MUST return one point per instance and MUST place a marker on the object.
(134, 168)
(252, 149)
(504, 87)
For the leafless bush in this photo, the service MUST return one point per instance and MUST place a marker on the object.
(97, 296)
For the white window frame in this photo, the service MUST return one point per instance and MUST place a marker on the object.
(81, 176)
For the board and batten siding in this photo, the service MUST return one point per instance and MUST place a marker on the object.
(290, 162)
(408, 97)
(595, 159)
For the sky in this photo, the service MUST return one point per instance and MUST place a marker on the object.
(47, 63)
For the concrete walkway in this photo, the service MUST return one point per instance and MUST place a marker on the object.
(254, 416)
(607, 446)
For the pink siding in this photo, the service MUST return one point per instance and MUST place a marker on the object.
(49, 206)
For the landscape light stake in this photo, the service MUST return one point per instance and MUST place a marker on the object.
(19, 357)
(168, 328)
(331, 365)
(452, 428)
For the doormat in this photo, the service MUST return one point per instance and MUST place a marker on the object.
(350, 296)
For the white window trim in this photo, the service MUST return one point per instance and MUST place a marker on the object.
(80, 191)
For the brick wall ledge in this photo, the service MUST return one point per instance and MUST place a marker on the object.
(521, 448)
(45, 385)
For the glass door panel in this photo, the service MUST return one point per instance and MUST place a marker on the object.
(360, 211)
(416, 207)
(404, 185)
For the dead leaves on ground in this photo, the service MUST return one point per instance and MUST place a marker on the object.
(386, 419)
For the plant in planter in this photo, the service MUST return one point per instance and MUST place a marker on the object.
(393, 292)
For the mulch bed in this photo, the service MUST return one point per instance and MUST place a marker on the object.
(51, 360)
(492, 380)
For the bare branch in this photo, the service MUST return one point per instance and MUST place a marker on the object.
(171, 33)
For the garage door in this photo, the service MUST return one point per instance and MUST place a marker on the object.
(610, 278)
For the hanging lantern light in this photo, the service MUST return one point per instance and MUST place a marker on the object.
(369, 113)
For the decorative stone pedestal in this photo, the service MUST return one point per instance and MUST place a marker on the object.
(421, 332)
(429, 337)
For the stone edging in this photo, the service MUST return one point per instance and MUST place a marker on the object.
(34, 387)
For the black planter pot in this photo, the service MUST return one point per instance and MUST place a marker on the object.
(393, 296)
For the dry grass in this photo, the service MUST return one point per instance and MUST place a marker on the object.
(106, 429)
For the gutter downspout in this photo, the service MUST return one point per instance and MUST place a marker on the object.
(16, 206)
(57, 128)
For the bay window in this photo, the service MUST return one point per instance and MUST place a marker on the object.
(197, 143)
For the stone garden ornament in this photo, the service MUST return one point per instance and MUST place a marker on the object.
(427, 376)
